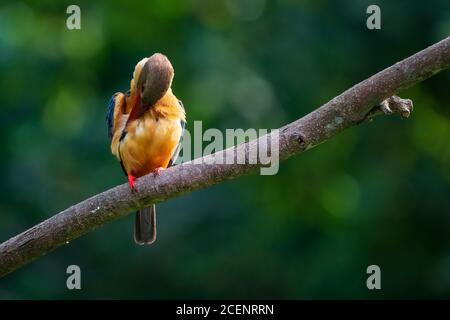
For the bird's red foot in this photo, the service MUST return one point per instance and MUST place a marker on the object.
(158, 171)
(131, 181)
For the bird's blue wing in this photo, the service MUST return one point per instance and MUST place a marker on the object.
(117, 101)
(110, 115)
(112, 105)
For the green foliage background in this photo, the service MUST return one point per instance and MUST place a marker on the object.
(378, 193)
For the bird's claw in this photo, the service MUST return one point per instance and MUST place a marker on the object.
(132, 181)
(157, 171)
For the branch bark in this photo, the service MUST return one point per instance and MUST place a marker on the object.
(348, 109)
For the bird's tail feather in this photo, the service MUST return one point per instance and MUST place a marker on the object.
(145, 226)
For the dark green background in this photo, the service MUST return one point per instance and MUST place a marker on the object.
(378, 193)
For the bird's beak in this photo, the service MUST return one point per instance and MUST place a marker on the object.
(155, 79)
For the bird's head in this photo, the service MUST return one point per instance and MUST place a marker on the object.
(152, 78)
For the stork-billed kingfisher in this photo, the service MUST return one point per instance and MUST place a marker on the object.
(146, 125)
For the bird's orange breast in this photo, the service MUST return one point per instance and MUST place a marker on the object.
(149, 144)
(150, 141)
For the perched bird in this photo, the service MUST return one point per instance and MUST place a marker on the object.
(146, 125)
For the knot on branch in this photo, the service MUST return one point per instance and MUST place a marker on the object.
(395, 104)
(301, 141)
(392, 105)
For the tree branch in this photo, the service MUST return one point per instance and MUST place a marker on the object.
(350, 108)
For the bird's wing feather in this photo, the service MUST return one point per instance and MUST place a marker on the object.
(177, 150)
(115, 110)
